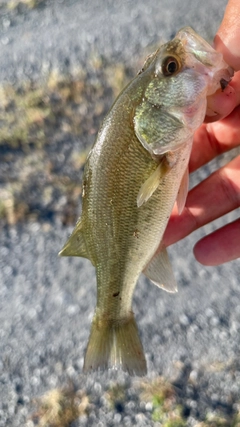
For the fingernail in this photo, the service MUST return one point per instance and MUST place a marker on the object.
(210, 113)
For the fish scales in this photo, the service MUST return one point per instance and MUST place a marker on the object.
(134, 173)
(116, 215)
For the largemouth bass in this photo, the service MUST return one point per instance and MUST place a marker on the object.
(136, 170)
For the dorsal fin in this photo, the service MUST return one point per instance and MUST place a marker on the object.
(159, 271)
(75, 245)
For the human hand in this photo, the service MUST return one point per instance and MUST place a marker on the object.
(220, 192)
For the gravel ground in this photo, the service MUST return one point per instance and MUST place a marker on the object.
(191, 339)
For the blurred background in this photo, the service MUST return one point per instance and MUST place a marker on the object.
(62, 64)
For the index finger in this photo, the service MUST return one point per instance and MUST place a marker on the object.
(227, 39)
(223, 102)
(213, 139)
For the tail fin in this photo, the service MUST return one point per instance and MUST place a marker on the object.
(115, 344)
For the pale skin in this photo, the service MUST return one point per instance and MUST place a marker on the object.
(220, 192)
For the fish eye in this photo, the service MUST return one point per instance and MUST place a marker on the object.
(170, 66)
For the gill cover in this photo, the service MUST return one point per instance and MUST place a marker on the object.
(183, 72)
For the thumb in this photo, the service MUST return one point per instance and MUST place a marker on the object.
(227, 40)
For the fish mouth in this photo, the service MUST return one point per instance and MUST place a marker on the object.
(223, 84)
(209, 62)
(202, 51)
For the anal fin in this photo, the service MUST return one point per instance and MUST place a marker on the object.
(75, 245)
(159, 271)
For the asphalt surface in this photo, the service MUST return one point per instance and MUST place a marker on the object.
(64, 33)
(46, 303)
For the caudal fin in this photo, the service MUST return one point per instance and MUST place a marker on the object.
(115, 344)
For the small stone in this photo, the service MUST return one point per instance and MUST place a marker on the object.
(214, 321)
(184, 320)
(70, 371)
(149, 406)
(72, 310)
(4, 40)
(193, 376)
(140, 418)
(98, 388)
(6, 23)
(117, 418)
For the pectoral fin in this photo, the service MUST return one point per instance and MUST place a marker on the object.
(152, 183)
(75, 245)
(159, 271)
(183, 192)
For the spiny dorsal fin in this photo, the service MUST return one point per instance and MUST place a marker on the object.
(152, 183)
(75, 245)
(183, 192)
(159, 271)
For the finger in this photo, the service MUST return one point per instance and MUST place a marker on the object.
(221, 246)
(211, 199)
(213, 139)
(223, 102)
(228, 35)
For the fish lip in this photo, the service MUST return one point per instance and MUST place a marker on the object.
(210, 63)
(224, 83)
(195, 45)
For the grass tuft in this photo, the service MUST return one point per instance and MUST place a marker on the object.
(29, 4)
(165, 408)
(60, 407)
(38, 121)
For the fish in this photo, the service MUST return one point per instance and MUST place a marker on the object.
(135, 172)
